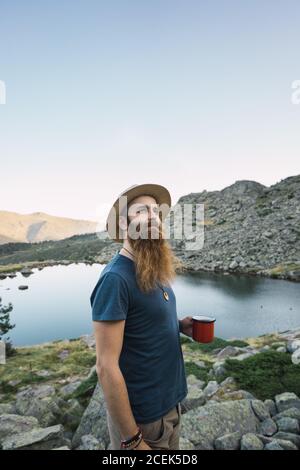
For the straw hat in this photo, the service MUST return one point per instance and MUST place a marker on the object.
(160, 194)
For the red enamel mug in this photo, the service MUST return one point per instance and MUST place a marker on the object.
(203, 328)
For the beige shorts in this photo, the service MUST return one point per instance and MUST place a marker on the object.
(160, 434)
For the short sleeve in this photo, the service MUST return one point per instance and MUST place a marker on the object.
(109, 299)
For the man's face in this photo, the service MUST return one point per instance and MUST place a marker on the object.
(143, 218)
(153, 257)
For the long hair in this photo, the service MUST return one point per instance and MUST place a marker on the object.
(155, 261)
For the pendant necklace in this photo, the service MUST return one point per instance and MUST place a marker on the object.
(165, 293)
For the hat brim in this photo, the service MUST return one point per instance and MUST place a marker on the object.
(160, 194)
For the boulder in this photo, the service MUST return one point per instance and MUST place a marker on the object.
(290, 413)
(211, 388)
(73, 413)
(40, 391)
(89, 442)
(229, 351)
(293, 345)
(38, 408)
(185, 444)
(287, 400)
(203, 425)
(296, 357)
(7, 408)
(288, 436)
(70, 388)
(36, 439)
(11, 424)
(270, 405)
(273, 446)
(93, 421)
(251, 442)
(284, 443)
(228, 441)
(260, 409)
(194, 398)
(192, 380)
(287, 424)
(268, 427)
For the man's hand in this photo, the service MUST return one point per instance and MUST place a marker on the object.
(187, 326)
(142, 446)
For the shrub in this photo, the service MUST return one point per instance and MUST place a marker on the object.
(5, 327)
(265, 374)
(216, 343)
(199, 372)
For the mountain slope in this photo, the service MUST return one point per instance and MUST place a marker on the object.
(39, 226)
(248, 227)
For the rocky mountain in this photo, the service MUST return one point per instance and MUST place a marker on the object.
(248, 227)
(39, 226)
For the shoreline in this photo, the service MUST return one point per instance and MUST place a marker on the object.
(288, 272)
(90, 338)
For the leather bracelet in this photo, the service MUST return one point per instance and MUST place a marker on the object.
(136, 445)
(126, 443)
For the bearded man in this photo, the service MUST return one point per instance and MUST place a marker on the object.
(139, 361)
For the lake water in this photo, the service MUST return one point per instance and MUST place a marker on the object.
(57, 303)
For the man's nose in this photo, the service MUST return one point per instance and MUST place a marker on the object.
(152, 213)
(153, 221)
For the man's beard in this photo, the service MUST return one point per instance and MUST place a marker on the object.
(154, 260)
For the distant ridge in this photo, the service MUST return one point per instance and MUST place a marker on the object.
(39, 226)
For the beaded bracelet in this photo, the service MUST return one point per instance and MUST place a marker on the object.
(136, 439)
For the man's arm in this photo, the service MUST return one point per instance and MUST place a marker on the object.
(109, 340)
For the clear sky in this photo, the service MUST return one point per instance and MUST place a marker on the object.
(101, 95)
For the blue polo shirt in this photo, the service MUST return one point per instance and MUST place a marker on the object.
(151, 358)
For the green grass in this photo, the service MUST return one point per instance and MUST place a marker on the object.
(282, 268)
(216, 343)
(199, 372)
(261, 200)
(77, 248)
(184, 339)
(10, 268)
(86, 388)
(24, 365)
(266, 374)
